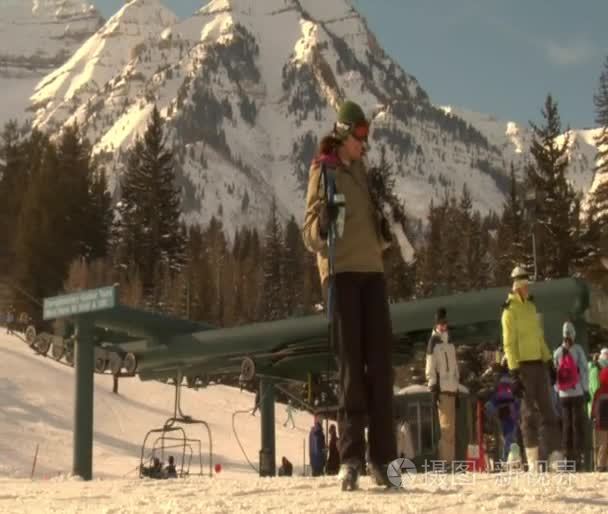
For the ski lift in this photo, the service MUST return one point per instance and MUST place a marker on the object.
(172, 436)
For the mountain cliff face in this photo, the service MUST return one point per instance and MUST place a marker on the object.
(514, 140)
(38, 36)
(247, 89)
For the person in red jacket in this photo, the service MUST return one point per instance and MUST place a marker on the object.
(599, 413)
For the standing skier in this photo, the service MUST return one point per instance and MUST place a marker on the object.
(361, 319)
(573, 387)
(530, 361)
(443, 379)
(289, 411)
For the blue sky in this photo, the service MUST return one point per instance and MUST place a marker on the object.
(493, 56)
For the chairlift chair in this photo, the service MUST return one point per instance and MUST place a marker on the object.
(172, 435)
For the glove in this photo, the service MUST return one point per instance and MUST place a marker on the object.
(327, 215)
(552, 372)
(586, 396)
(518, 386)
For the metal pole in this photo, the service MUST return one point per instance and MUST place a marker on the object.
(34, 463)
(303, 457)
(84, 361)
(268, 451)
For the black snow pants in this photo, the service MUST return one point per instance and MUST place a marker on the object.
(364, 346)
(573, 426)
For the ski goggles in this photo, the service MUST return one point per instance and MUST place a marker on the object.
(360, 131)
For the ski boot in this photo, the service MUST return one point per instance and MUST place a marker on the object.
(349, 477)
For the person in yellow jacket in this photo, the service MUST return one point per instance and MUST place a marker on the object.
(529, 361)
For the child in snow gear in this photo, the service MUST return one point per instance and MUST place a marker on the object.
(356, 290)
(599, 414)
(573, 387)
(443, 380)
(505, 405)
(529, 358)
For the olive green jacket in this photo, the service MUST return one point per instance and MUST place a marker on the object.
(360, 247)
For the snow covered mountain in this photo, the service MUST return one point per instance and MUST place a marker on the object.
(248, 88)
(514, 141)
(36, 37)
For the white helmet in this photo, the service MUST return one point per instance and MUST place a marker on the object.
(519, 273)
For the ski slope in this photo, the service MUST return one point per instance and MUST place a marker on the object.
(36, 406)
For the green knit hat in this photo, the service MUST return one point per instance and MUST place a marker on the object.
(350, 115)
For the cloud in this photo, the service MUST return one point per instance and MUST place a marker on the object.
(572, 52)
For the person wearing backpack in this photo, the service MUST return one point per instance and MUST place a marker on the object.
(572, 383)
(599, 414)
(529, 361)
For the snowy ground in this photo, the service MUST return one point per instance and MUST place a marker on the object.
(36, 406)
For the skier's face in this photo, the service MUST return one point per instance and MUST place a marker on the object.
(353, 148)
(442, 328)
(523, 291)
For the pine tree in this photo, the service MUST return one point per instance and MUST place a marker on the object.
(470, 239)
(600, 100)
(75, 176)
(430, 276)
(55, 225)
(600, 194)
(149, 230)
(216, 250)
(588, 235)
(292, 268)
(512, 235)
(554, 195)
(101, 217)
(453, 265)
(272, 305)
(41, 261)
(20, 159)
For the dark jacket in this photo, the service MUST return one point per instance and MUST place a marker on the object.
(316, 444)
(333, 459)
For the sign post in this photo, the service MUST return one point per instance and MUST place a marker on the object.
(79, 305)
